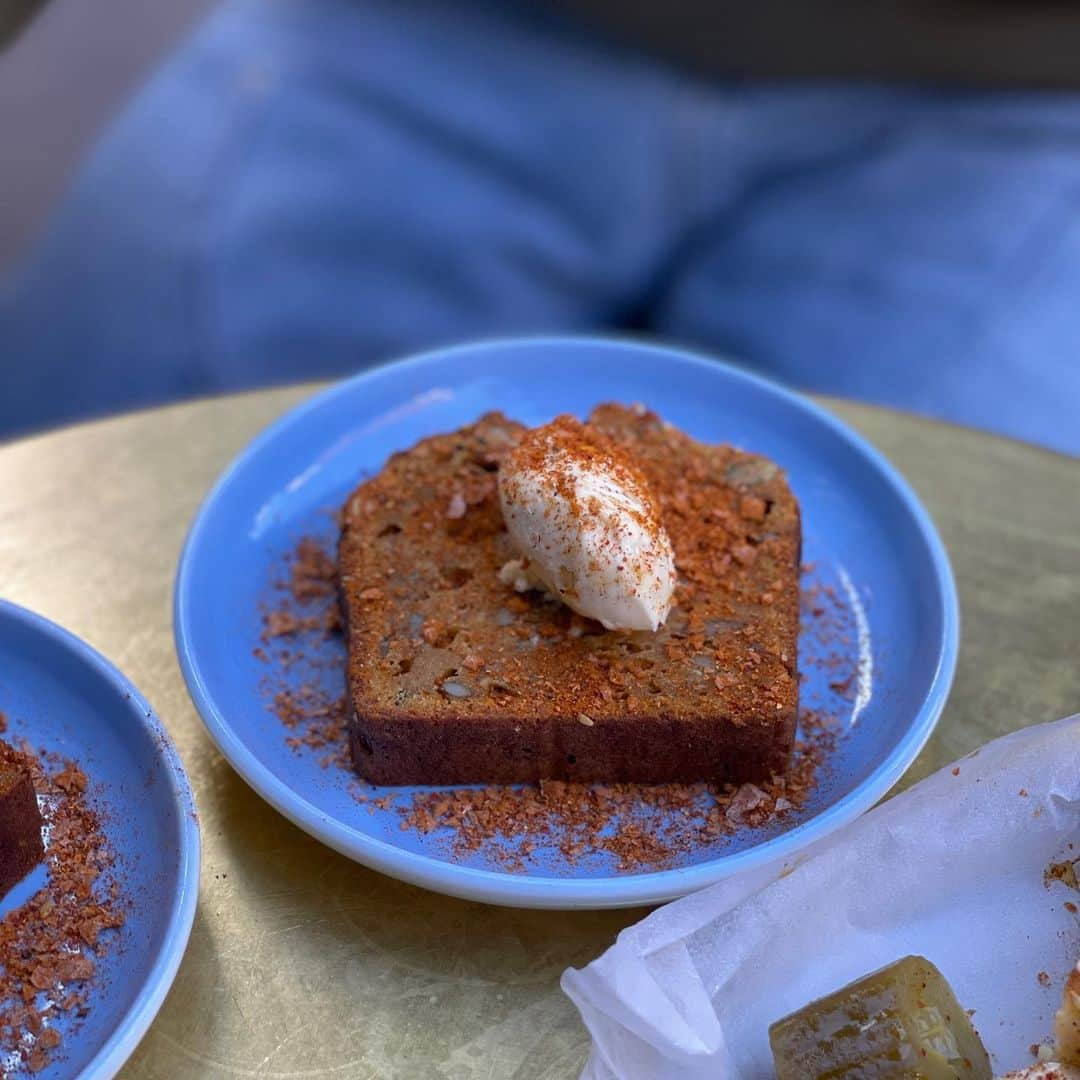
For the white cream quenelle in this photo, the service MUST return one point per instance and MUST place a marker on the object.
(587, 527)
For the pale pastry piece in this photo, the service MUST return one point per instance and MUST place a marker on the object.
(1067, 1021)
(1045, 1070)
(902, 1022)
(1066, 1050)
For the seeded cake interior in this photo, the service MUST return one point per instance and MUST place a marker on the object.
(453, 677)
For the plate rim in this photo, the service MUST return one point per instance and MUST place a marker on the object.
(137, 1018)
(513, 890)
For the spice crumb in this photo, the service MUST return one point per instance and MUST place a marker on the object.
(1065, 872)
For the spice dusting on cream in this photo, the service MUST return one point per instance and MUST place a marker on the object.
(587, 527)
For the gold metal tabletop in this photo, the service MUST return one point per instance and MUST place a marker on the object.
(303, 964)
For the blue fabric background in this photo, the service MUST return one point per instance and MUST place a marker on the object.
(312, 186)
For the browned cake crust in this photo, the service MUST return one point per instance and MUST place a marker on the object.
(20, 820)
(455, 678)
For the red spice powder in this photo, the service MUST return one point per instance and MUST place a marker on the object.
(296, 627)
(641, 827)
(49, 945)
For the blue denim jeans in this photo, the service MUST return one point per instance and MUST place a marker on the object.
(311, 186)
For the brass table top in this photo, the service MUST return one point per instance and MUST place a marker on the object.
(302, 964)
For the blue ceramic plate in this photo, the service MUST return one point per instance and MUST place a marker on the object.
(63, 697)
(873, 550)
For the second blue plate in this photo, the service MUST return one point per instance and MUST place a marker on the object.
(63, 698)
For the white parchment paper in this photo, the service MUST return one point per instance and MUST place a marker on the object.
(953, 869)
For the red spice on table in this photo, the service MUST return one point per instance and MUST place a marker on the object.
(49, 945)
(642, 827)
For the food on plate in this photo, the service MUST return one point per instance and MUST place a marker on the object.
(21, 848)
(53, 943)
(607, 601)
(902, 1022)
